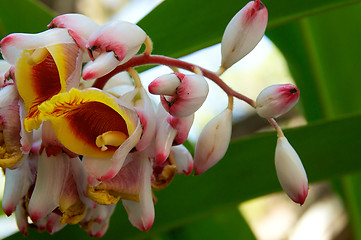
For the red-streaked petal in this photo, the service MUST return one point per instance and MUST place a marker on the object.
(80, 117)
(57, 69)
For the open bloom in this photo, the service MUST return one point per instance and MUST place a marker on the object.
(290, 171)
(276, 100)
(93, 124)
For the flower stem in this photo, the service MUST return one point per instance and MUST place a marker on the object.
(278, 129)
(145, 59)
(135, 76)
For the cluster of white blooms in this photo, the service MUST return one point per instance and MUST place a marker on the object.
(70, 153)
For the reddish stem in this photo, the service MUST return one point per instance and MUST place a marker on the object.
(143, 59)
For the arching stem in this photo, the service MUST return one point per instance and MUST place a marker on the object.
(144, 59)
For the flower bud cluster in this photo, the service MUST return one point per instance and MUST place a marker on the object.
(70, 152)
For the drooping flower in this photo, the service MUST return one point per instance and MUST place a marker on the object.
(276, 100)
(79, 26)
(290, 171)
(213, 142)
(110, 45)
(56, 187)
(243, 33)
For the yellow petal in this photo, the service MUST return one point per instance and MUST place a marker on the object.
(41, 74)
(80, 117)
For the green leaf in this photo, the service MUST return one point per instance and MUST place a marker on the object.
(23, 16)
(329, 149)
(228, 224)
(180, 27)
(323, 54)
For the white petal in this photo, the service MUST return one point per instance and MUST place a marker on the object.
(13, 44)
(183, 159)
(141, 214)
(123, 38)
(52, 171)
(17, 185)
(102, 65)
(165, 85)
(164, 141)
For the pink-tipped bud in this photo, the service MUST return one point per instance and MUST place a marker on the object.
(102, 65)
(213, 142)
(183, 159)
(243, 32)
(183, 95)
(123, 39)
(290, 171)
(80, 26)
(276, 100)
(165, 85)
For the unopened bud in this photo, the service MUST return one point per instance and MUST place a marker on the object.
(290, 171)
(183, 159)
(243, 32)
(276, 100)
(180, 98)
(213, 142)
(165, 85)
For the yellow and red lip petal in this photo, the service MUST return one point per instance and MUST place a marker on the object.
(79, 117)
(43, 73)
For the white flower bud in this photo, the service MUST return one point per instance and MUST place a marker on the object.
(180, 97)
(243, 32)
(165, 85)
(290, 171)
(213, 142)
(276, 100)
